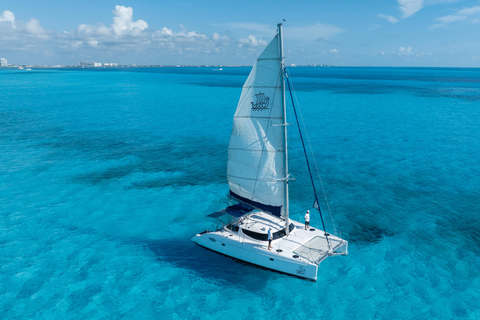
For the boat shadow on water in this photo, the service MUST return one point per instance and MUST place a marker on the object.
(207, 264)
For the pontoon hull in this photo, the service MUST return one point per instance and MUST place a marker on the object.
(256, 254)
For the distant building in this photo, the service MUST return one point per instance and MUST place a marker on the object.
(3, 62)
(87, 64)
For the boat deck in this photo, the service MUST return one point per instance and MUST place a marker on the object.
(309, 245)
(260, 222)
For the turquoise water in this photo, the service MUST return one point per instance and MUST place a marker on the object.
(106, 174)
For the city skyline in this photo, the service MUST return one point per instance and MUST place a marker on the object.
(436, 33)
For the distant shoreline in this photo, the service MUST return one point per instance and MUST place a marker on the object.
(26, 67)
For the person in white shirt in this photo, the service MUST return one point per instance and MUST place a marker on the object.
(270, 238)
(307, 219)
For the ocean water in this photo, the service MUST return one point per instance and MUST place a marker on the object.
(105, 174)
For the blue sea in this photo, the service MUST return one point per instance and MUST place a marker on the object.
(106, 174)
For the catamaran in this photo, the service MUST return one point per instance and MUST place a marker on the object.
(258, 178)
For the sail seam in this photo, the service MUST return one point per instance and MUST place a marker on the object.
(256, 150)
(261, 86)
(265, 59)
(229, 175)
(252, 117)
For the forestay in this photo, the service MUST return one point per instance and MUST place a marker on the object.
(256, 152)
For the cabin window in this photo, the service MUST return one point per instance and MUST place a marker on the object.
(264, 236)
(233, 227)
(256, 235)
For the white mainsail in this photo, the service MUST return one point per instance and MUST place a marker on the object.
(256, 168)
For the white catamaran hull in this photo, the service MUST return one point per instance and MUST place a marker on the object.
(295, 255)
(256, 255)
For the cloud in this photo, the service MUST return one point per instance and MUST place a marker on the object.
(123, 34)
(7, 16)
(127, 34)
(33, 27)
(183, 36)
(407, 9)
(18, 35)
(410, 7)
(184, 42)
(471, 14)
(402, 51)
(123, 24)
(250, 41)
(389, 18)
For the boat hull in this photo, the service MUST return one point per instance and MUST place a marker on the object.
(256, 254)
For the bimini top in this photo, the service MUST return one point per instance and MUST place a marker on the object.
(236, 211)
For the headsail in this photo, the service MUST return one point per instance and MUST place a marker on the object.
(256, 168)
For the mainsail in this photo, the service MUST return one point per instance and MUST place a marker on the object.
(256, 164)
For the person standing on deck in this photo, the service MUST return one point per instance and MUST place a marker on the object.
(307, 219)
(269, 238)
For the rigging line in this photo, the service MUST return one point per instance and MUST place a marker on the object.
(306, 157)
(314, 161)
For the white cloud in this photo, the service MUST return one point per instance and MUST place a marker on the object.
(184, 42)
(407, 9)
(410, 7)
(334, 51)
(7, 16)
(220, 39)
(33, 27)
(127, 34)
(471, 14)
(124, 24)
(166, 32)
(402, 51)
(123, 34)
(93, 43)
(388, 18)
(18, 35)
(251, 41)
(215, 36)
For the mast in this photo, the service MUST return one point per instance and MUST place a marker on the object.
(285, 135)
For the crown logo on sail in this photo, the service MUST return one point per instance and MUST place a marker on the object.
(261, 102)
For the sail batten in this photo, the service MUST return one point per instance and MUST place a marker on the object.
(257, 149)
(257, 179)
(254, 150)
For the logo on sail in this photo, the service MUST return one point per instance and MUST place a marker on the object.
(261, 102)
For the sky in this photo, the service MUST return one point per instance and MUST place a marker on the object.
(418, 33)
